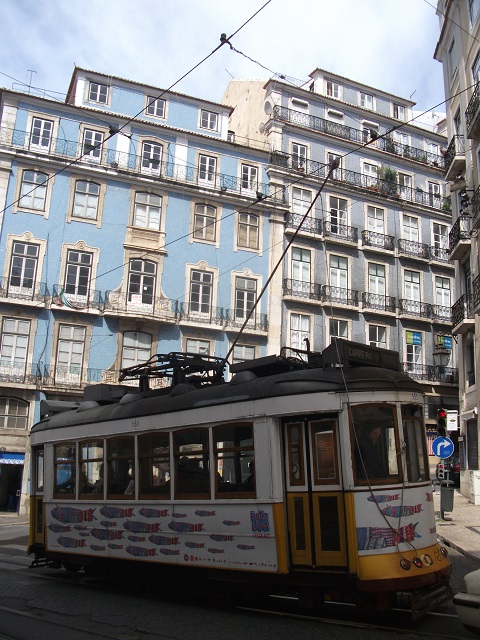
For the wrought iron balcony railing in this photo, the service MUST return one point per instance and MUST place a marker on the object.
(310, 225)
(338, 231)
(415, 308)
(476, 292)
(358, 136)
(142, 305)
(236, 318)
(378, 240)
(19, 287)
(472, 108)
(413, 249)
(338, 295)
(430, 373)
(463, 309)
(455, 148)
(460, 231)
(378, 302)
(475, 206)
(18, 372)
(377, 187)
(301, 289)
(121, 161)
(442, 314)
(439, 253)
(77, 297)
(204, 313)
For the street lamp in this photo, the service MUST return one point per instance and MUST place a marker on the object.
(441, 358)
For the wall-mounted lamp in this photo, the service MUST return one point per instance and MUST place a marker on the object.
(260, 196)
(223, 189)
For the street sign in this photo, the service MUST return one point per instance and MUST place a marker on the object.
(452, 420)
(442, 447)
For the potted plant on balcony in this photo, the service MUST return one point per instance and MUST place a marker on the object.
(389, 184)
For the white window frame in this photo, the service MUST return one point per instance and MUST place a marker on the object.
(299, 156)
(245, 298)
(14, 346)
(90, 207)
(41, 134)
(33, 192)
(410, 228)
(98, 92)
(376, 328)
(338, 216)
(205, 221)
(333, 89)
(134, 343)
(18, 259)
(70, 352)
(301, 270)
(249, 179)
(399, 112)
(367, 101)
(377, 278)
(79, 270)
(300, 328)
(195, 345)
(207, 170)
(209, 120)
(243, 352)
(151, 158)
(412, 287)
(9, 416)
(147, 210)
(452, 59)
(337, 173)
(156, 107)
(198, 285)
(371, 177)
(248, 231)
(342, 327)
(146, 275)
(95, 154)
(373, 219)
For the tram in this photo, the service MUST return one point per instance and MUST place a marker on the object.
(305, 473)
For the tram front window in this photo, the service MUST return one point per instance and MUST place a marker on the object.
(414, 436)
(375, 443)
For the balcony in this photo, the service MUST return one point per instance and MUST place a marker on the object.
(358, 136)
(463, 318)
(415, 308)
(439, 254)
(77, 297)
(376, 240)
(455, 158)
(336, 231)
(413, 249)
(476, 293)
(375, 187)
(300, 289)
(18, 287)
(475, 208)
(339, 296)
(459, 237)
(429, 373)
(441, 314)
(472, 114)
(122, 162)
(138, 305)
(310, 225)
(226, 318)
(376, 302)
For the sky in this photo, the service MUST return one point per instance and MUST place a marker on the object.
(387, 44)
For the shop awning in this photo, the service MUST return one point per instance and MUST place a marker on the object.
(11, 458)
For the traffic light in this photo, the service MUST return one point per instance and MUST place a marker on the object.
(441, 422)
(441, 470)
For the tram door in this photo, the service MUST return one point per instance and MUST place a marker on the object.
(37, 527)
(315, 501)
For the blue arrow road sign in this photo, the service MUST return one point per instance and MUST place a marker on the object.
(442, 447)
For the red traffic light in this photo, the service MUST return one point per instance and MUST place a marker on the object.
(441, 413)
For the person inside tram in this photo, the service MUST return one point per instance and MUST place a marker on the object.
(372, 463)
(131, 485)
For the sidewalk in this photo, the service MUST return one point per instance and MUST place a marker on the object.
(461, 528)
(7, 519)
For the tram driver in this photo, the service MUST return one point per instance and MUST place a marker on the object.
(372, 461)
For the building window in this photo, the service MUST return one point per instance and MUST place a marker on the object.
(338, 273)
(433, 152)
(452, 59)
(209, 120)
(33, 190)
(207, 166)
(301, 200)
(137, 348)
(412, 285)
(376, 279)
(338, 329)
(151, 158)
(399, 112)
(201, 347)
(337, 173)
(14, 347)
(205, 223)
(249, 178)
(476, 64)
(242, 352)
(147, 210)
(70, 349)
(245, 296)
(457, 123)
(86, 200)
(248, 230)
(92, 145)
(405, 184)
(376, 219)
(299, 156)
(299, 330)
(370, 171)
(440, 240)
(141, 282)
(366, 101)
(401, 140)
(413, 352)
(23, 268)
(338, 216)
(434, 195)
(442, 293)
(41, 135)
(410, 228)
(201, 290)
(98, 93)
(13, 413)
(78, 274)
(155, 107)
(301, 270)
(377, 336)
(333, 89)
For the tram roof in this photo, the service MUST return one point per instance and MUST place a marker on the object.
(248, 383)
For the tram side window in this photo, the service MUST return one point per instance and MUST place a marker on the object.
(64, 469)
(296, 450)
(154, 465)
(91, 469)
(375, 443)
(39, 471)
(120, 467)
(234, 460)
(324, 448)
(414, 436)
(192, 472)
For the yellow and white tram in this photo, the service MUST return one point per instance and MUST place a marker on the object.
(306, 473)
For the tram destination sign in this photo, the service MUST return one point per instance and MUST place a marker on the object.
(351, 354)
